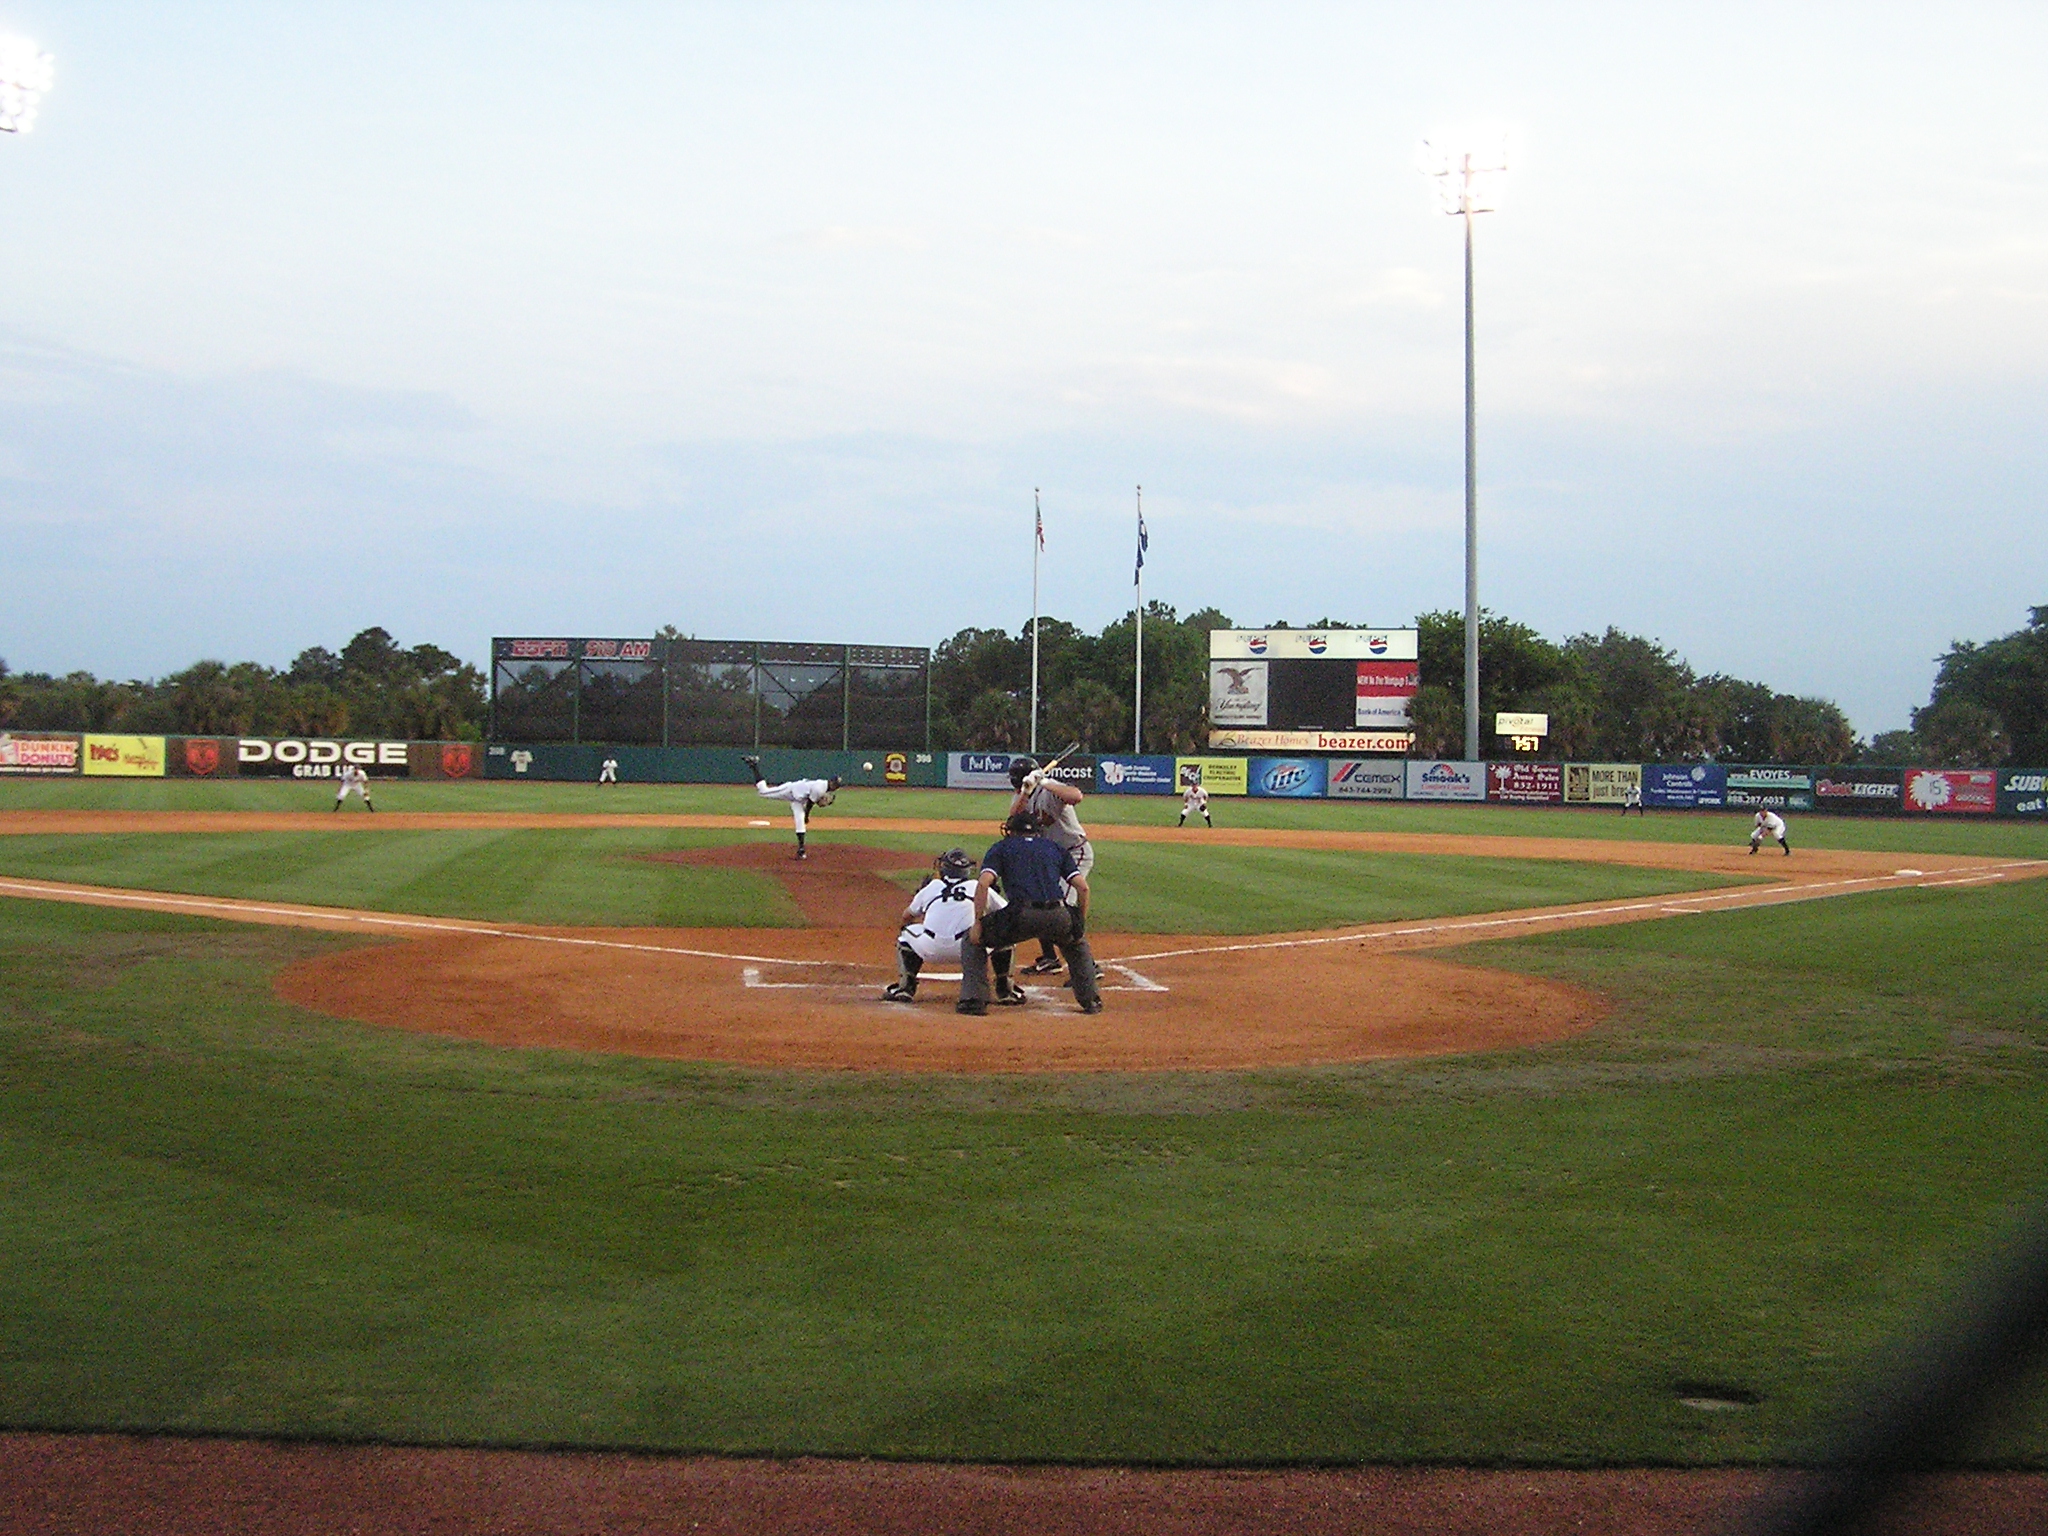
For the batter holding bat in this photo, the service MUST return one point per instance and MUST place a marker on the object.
(1050, 804)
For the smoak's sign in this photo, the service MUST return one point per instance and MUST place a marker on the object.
(319, 759)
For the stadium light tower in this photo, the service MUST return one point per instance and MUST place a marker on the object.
(24, 76)
(1458, 186)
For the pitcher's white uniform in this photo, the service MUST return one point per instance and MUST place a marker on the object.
(945, 911)
(801, 794)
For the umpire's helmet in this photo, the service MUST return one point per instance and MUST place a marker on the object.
(1019, 767)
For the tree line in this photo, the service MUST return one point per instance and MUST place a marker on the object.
(373, 687)
(1610, 697)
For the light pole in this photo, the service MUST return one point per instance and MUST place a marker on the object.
(24, 76)
(1457, 186)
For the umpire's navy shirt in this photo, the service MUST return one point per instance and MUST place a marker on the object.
(1031, 869)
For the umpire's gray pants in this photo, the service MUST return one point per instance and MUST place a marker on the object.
(1019, 921)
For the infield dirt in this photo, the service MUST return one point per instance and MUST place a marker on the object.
(810, 998)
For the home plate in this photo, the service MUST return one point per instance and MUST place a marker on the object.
(751, 978)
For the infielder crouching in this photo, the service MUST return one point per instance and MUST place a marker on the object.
(1036, 875)
(1769, 823)
(354, 780)
(803, 795)
(1194, 798)
(935, 922)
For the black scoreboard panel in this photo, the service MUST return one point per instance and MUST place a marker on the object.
(1314, 693)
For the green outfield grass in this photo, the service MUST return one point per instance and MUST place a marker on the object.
(605, 878)
(1905, 834)
(219, 1213)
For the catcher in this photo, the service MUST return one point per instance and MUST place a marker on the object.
(935, 922)
(803, 795)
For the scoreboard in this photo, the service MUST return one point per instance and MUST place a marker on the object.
(1312, 690)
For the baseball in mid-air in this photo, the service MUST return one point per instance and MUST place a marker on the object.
(867, 767)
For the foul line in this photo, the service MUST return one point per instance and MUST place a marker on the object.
(104, 896)
(1768, 895)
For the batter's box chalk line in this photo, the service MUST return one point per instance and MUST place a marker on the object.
(751, 977)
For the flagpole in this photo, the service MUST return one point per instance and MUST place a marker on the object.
(1037, 544)
(1138, 702)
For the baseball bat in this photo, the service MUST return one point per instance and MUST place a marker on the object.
(1065, 752)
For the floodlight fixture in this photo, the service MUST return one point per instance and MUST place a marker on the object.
(25, 72)
(1462, 193)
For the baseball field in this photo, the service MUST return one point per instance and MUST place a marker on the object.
(551, 1116)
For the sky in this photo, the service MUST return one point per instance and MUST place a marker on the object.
(766, 321)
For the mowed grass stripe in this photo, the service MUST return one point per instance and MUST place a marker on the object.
(606, 878)
(569, 877)
(1907, 834)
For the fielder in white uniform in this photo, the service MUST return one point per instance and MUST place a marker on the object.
(1194, 798)
(934, 923)
(1769, 824)
(609, 772)
(803, 795)
(354, 780)
(1052, 804)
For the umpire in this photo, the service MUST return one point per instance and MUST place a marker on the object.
(1035, 873)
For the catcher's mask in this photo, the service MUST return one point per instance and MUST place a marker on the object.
(955, 865)
(1019, 767)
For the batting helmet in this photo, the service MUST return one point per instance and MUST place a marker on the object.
(1019, 768)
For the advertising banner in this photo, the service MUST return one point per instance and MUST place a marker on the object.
(1353, 778)
(1685, 786)
(1950, 791)
(1077, 771)
(1385, 689)
(1237, 693)
(1393, 743)
(1218, 775)
(317, 758)
(1600, 783)
(1506, 724)
(445, 759)
(1314, 644)
(1525, 783)
(1863, 791)
(1291, 778)
(1135, 776)
(38, 753)
(1764, 786)
(978, 770)
(1446, 781)
(2022, 792)
(124, 757)
(199, 757)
